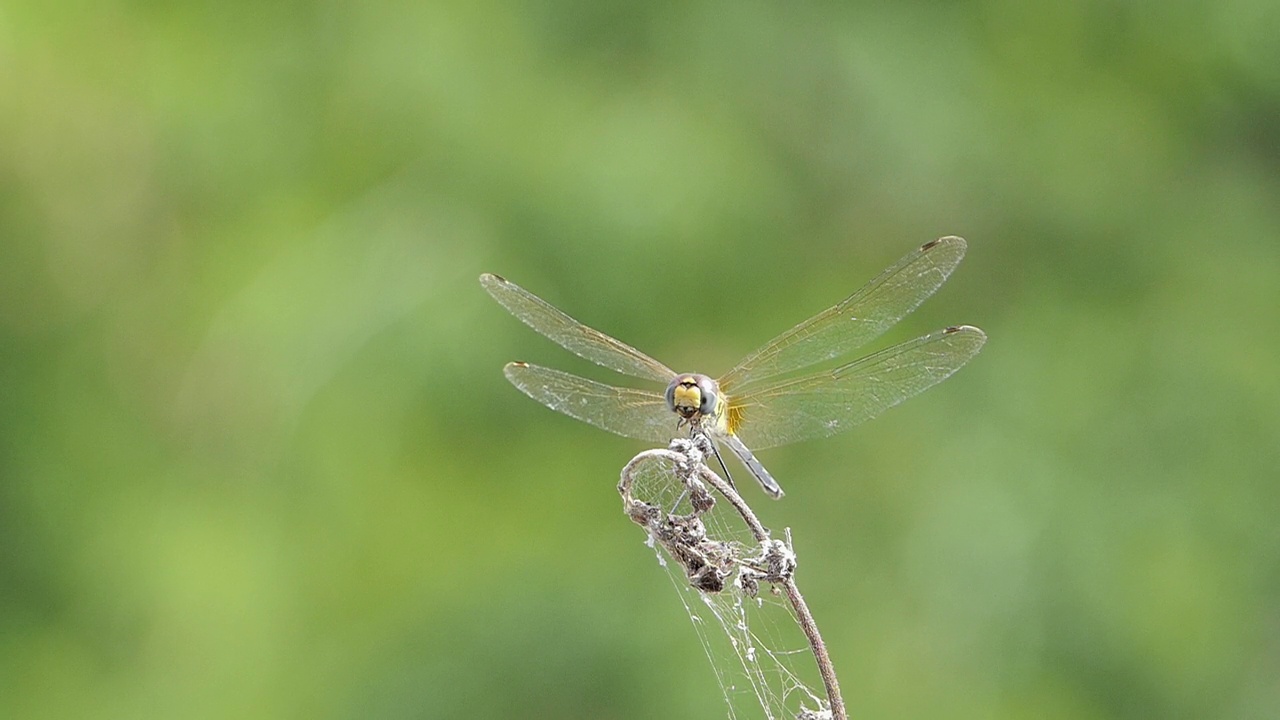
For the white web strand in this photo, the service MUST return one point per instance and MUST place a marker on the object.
(721, 573)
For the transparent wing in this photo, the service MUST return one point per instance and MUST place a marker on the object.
(828, 402)
(632, 413)
(572, 335)
(855, 321)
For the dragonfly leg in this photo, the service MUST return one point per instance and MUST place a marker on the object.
(723, 467)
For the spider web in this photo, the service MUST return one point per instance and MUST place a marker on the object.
(725, 579)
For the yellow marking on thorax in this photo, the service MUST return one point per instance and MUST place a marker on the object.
(733, 418)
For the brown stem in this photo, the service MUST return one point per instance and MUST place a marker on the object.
(801, 608)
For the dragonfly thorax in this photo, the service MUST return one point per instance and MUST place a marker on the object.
(693, 396)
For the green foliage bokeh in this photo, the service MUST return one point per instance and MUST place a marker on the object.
(257, 457)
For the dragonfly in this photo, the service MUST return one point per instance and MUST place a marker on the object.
(763, 401)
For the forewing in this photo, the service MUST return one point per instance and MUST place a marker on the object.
(826, 403)
(855, 321)
(572, 335)
(632, 413)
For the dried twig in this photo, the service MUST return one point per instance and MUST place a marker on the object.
(709, 562)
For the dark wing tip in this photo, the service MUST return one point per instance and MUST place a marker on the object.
(949, 240)
(975, 335)
(491, 278)
(512, 371)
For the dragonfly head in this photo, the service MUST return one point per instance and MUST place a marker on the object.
(693, 396)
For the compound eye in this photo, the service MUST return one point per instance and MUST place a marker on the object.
(708, 393)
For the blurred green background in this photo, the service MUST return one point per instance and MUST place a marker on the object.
(258, 460)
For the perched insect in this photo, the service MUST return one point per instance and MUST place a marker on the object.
(758, 404)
